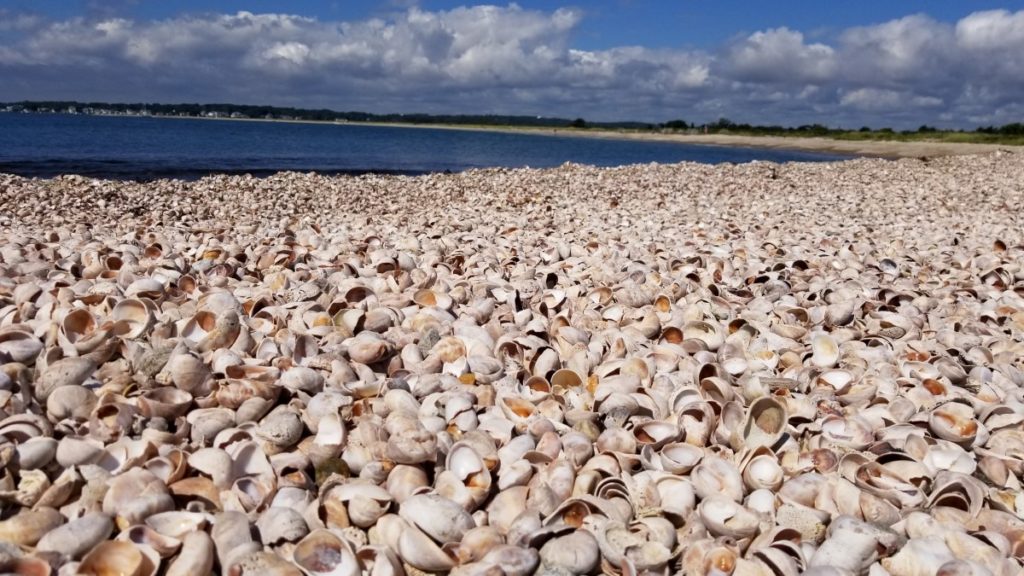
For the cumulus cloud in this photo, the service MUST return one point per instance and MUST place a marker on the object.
(780, 56)
(506, 59)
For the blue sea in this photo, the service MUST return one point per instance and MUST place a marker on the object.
(142, 148)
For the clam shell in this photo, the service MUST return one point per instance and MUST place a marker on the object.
(116, 557)
(321, 552)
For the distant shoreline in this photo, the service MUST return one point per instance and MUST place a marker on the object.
(878, 148)
(875, 148)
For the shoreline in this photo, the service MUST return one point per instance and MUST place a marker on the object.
(871, 148)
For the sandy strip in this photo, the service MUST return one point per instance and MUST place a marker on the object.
(880, 148)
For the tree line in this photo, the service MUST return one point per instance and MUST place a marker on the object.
(1012, 131)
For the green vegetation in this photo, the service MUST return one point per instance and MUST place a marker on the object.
(317, 115)
(1010, 134)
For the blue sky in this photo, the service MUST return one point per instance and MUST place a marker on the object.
(608, 23)
(657, 23)
(898, 63)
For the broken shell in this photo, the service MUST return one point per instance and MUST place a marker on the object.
(763, 426)
(196, 556)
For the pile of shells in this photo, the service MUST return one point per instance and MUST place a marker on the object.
(759, 370)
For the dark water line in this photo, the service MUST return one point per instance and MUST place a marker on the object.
(114, 170)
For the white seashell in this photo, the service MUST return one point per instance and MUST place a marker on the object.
(725, 517)
(196, 556)
(824, 351)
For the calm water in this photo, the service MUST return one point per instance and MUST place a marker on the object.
(143, 148)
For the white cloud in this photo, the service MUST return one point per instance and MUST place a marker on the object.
(513, 60)
(906, 50)
(781, 56)
(992, 31)
(879, 99)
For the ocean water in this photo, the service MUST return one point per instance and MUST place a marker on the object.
(140, 148)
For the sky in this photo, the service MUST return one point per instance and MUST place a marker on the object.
(879, 63)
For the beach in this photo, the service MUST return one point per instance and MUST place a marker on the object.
(755, 368)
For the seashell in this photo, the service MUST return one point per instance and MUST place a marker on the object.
(28, 526)
(763, 426)
(466, 479)
(74, 402)
(367, 350)
(178, 524)
(427, 297)
(439, 518)
(19, 346)
(65, 372)
(824, 351)
(302, 378)
(404, 481)
(379, 561)
(132, 317)
(919, 556)
(196, 556)
(513, 560)
(716, 476)
(363, 504)
(29, 566)
(135, 495)
(77, 451)
(166, 402)
(574, 553)
(116, 557)
(81, 332)
(414, 445)
(852, 433)
(231, 538)
(955, 422)
(145, 288)
(206, 423)
(36, 453)
(189, 374)
(725, 517)
(280, 430)
(710, 335)
(146, 537)
(277, 525)
(321, 552)
(762, 470)
(419, 551)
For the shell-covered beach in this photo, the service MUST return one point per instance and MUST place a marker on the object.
(753, 369)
